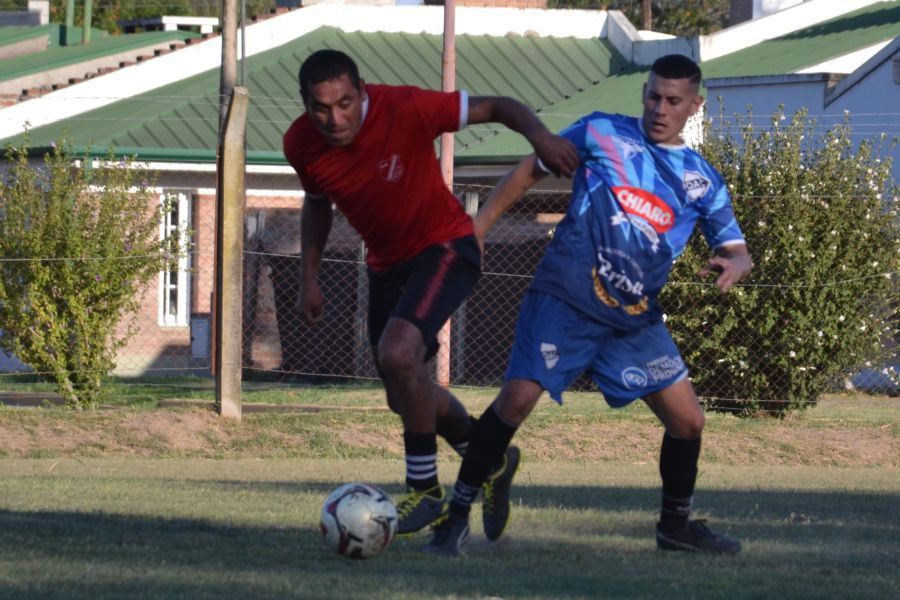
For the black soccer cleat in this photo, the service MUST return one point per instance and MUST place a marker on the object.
(449, 537)
(419, 509)
(495, 508)
(695, 536)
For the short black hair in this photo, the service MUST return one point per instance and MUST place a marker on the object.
(325, 65)
(677, 66)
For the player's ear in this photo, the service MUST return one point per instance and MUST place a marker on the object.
(362, 88)
(697, 104)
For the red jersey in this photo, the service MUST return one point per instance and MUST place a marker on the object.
(387, 182)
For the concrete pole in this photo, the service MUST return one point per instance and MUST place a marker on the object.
(229, 256)
(88, 22)
(228, 70)
(448, 84)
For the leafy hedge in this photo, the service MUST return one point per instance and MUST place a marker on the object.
(79, 247)
(820, 214)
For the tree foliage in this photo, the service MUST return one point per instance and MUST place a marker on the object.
(820, 214)
(79, 246)
(107, 13)
(675, 17)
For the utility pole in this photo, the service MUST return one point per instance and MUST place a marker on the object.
(648, 15)
(86, 26)
(229, 59)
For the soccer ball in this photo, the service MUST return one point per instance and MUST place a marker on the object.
(358, 520)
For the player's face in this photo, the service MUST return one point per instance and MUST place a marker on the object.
(668, 103)
(335, 107)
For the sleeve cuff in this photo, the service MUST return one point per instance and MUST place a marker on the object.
(463, 110)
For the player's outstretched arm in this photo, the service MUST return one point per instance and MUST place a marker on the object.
(557, 153)
(508, 191)
(315, 225)
(731, 264)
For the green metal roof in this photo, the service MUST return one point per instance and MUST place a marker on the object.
(56, 34)
(561, 78)
(62, 56)
(787, 54)
(183, 117)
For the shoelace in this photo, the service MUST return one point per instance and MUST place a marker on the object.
(410, 502)
(488, 504)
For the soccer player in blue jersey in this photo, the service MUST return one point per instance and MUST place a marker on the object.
(592, 307)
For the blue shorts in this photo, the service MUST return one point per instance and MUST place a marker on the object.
(555, 343)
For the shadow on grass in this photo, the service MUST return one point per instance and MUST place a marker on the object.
(844, 539)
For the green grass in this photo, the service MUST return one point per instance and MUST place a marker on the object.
(197, 528)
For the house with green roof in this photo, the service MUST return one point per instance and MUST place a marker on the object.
(563, 64)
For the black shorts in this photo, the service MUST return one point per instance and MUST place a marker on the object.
(424, 290)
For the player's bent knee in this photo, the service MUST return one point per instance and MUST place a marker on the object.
(394, 358)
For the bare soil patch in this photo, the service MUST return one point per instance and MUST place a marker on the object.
(30, 432)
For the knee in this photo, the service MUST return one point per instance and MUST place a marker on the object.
(396, 358)
(690, 427)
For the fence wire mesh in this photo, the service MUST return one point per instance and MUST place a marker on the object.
(175, 322)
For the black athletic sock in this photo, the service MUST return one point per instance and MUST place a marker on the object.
(487, 446)
(421, 460)
(459, 439)
(678, 469)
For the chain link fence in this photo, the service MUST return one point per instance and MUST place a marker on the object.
(174, 325)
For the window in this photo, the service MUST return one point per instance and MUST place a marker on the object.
(174, 284)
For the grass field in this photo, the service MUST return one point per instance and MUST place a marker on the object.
(135, 502)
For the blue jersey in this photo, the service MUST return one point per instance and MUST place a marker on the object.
(633, 208)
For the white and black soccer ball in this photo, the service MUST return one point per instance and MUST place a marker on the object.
(358, 520)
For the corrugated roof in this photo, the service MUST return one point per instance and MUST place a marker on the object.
(184, 116)
(62, 56)
(561, 78)
(786, 54)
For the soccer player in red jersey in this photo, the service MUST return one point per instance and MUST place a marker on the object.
(369, 150)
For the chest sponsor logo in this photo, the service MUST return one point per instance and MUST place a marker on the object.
(625, 276)
(391, 168)
(646, 212)
(695, 185)
(665, 367)
(628, 146)
(550, 353)
(634, 378)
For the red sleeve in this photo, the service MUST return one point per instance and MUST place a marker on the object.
(438, 110)
(298, 159)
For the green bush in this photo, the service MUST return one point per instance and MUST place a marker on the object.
(819, 212)
(78, 246)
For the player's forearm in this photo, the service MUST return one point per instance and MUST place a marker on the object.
(508, 191)
(517, 117)
(315, 225)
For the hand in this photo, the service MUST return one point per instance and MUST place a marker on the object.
(311, 302)
(730, 269)
(557, 153)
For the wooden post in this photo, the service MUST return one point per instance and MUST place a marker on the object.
(229, 256)
(228, 70)
(648, 15)
(448, 84)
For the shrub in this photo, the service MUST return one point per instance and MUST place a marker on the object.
(819, 212)
(79, 245)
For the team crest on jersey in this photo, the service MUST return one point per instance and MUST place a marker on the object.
(391, 168)
(695, 185)
(629, 146)
(646, 212)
